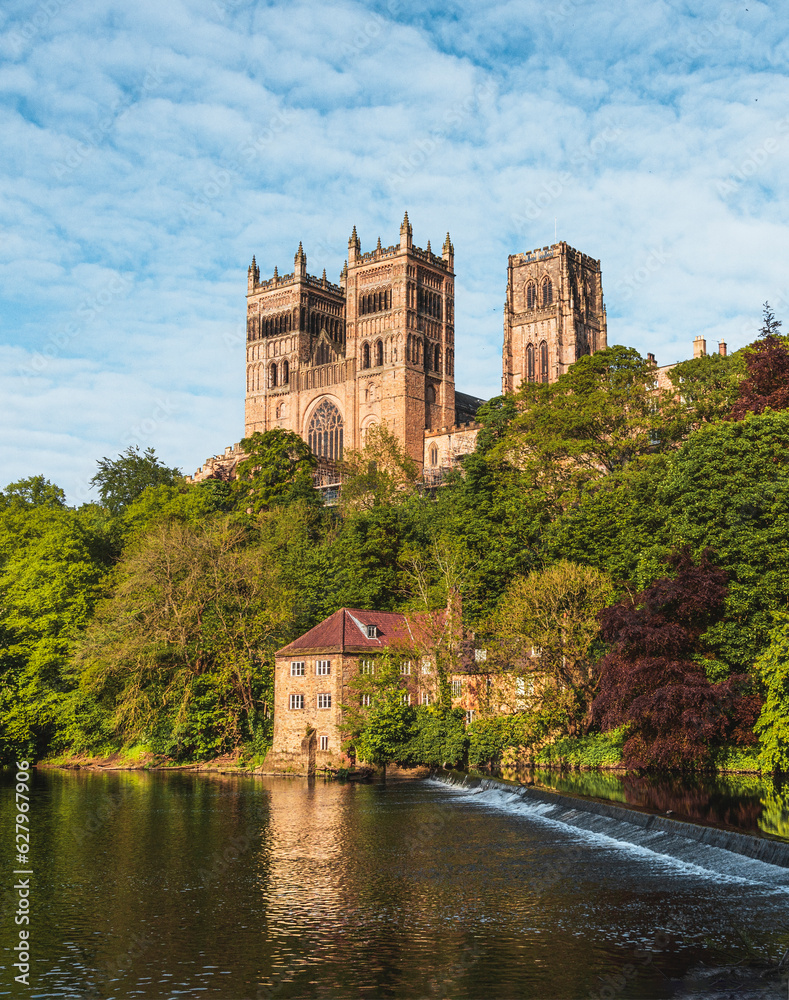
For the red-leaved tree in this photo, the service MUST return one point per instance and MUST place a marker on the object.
(767, 361)
(649, 677)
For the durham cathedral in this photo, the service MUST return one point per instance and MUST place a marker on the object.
(330, 361)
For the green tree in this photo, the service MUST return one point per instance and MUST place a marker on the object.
(35, 491)
(727, 489)
(772, 668)
(596, 419)
(547, 625)
(278, 470)
(381, 473)
(181, 652)
(121, 480)
(617, 525)
(192, 504)
(703, 390)
(52, 565)
(378, 722)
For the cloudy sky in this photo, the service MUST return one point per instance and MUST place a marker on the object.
(150, 148)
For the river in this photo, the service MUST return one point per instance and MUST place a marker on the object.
(149, 884)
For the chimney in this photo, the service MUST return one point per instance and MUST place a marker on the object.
(651, 358)
(722, 348)
(699, 347)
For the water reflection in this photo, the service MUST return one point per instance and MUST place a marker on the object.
(743, 802)
(170, 885)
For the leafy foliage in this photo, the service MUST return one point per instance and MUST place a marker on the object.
(278, 471)
(547, 625)
(767, 384)
(652, 679)
(181, 651)
(773, 724)
(121, 480)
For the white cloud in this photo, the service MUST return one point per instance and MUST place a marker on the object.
(150, 149)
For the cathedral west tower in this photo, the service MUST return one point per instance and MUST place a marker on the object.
(553, 314)
(330, 361)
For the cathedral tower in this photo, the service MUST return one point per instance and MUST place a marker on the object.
(330, 361)
(553, 314)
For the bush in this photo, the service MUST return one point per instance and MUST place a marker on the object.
(439, 738)
(593, 750)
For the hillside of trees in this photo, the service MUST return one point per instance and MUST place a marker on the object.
(639, 540)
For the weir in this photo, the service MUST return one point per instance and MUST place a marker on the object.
(726, 852)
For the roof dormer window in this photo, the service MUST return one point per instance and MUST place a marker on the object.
(372, 631)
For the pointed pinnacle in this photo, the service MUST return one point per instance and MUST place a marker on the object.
(379, 243)
(428, 247)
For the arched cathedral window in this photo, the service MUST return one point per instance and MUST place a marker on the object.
(543, 362)
(272, 376)
(530, 362)
(379, 353)
(324, 435)
(365, 355)
(531, 295)
(285, 372)
(547, 292)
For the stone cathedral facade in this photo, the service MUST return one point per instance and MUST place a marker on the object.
(329, 361)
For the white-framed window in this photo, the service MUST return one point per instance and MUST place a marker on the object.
(297, 668)
(457, 687)
(425, 698)
(324, 701)
(480, 655)
(323, 668)
(368, 666)
(426, 666)
(296, 701)
(372, 631)
(366, 700)
(470, 715)
(324, 742)
(405, 668)
(405, 698)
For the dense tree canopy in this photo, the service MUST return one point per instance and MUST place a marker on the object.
(151, 616)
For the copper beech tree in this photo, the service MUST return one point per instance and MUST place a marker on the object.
(653, 677)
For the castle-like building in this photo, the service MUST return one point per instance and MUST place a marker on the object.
(330, 361)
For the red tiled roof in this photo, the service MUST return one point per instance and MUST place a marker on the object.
(346, 629)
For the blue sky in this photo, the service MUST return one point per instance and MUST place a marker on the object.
(149, 149)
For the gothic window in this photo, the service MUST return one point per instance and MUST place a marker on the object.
(531, 295)
(371, 393)
(365, 355)
(379, 353)
(437, 366)
(272, 377)
(433, 455)
(530, 362)
(547, 292)
(285, 372)
(325, 431)
(543, 362)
